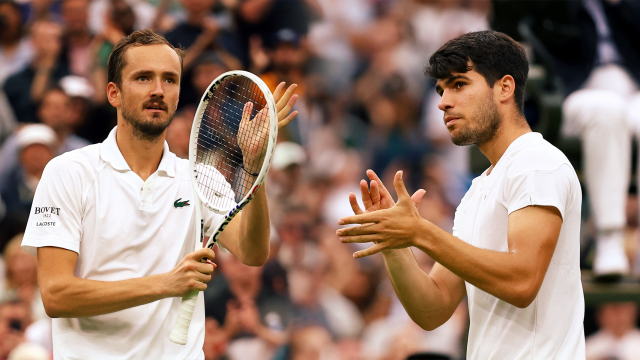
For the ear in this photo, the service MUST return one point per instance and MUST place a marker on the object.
(113, 95)
(505, 88)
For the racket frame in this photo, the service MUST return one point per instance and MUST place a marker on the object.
(179, 333)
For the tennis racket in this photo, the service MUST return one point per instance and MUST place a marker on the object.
(232, 142)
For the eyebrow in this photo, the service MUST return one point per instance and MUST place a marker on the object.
(148, 72)
(450, 80)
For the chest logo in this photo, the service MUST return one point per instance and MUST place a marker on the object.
(179, 204)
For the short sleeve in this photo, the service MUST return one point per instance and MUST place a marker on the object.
(540, 187)
(56, 213)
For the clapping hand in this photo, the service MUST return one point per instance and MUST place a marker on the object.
(255, 132)
(387, 224)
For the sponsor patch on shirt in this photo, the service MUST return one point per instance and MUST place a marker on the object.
(46, 211)
(46, 223)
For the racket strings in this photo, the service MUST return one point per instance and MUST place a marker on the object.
(230, 149)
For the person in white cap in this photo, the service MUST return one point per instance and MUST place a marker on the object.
(36, 144)
(55, 111)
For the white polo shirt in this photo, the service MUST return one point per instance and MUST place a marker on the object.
(531, 172)
(90, 202)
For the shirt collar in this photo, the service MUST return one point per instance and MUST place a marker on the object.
(110, 153)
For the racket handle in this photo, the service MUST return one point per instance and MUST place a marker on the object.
(180, 331)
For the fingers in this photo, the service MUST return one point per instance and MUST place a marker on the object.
(360, 239)
(368, 252)
(287, 120)
(366, 196)
(246, 112)
(401, 190)
(382, 189)
(279, 90)
(284, 117)
(365, 229)
(417, 197)
(354, 204)
(284, 100)
(375, 192)
(372, 217)
(203, 253)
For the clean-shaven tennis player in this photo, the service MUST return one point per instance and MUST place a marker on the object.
(515, 246)
(113, 226)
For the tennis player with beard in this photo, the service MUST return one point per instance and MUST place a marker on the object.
(113, 227)
(514, 252)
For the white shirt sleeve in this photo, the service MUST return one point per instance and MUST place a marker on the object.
(211, 223)
(56, 213)
(540, 187)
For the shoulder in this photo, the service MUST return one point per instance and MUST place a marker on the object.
(537, 155)
(182, 167)
(84, 162)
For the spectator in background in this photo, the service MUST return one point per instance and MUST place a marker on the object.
(21, 278)
(264, 17)
(15, 50)
(336, 25)
(207, 67)
(178, 133)
(119, 22)
(36, 147)
(309, 342)
(618, 337)
(26, 88)
(592, 45)
(56, 112)
(254, 318)
(203, 31)
(77, 38)
(15, 53)
(14, 319)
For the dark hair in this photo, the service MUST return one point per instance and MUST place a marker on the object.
(143, 37)
(492, 54)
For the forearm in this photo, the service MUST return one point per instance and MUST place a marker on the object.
(427, 302)
(501, 274)
(197, 48)
(254, 231)
(40, 83)
(273, 337)
(74, 297)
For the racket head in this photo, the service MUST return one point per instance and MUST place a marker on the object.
(218, 174)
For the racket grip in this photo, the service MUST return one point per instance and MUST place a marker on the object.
(180, 331)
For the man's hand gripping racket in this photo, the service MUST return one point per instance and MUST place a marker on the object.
(232, 142)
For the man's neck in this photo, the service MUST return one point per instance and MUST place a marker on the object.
(510, 129)
(142, 156)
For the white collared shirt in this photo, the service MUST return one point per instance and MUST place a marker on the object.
(90, 202)
(530, 172)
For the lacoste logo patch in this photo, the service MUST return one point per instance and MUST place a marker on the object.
(179, 204)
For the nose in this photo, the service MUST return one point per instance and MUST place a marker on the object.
(157, 89)
(445, 102)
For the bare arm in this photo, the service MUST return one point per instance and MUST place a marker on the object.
(65, 295)
(514, 276)
(429, 299)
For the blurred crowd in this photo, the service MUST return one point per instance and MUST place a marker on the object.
(364, 104)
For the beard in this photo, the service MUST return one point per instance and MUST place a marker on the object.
(486, 127)
(148, 130)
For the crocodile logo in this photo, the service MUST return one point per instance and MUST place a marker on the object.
(179, 204)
